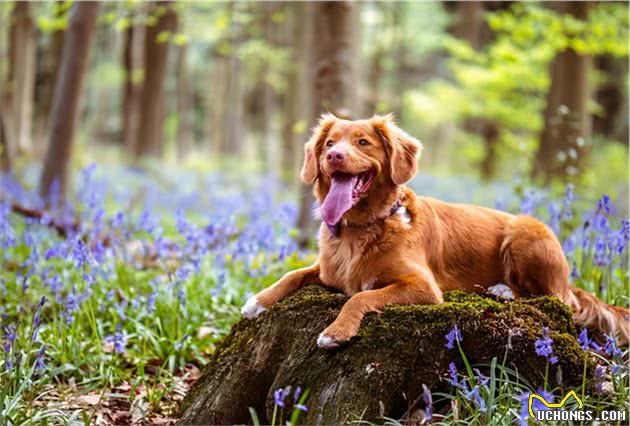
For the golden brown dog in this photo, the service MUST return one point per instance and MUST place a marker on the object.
(381, 244)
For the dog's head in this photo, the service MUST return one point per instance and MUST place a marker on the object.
(357, 166)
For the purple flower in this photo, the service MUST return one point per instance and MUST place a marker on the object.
(536, 406)
(600, 373)
(118, 339)
(604, 205)
(544, 346)
(39, 361)
(428, 402)
(611, 347)
(279, 396)
(452, 372)
(586, 342)
(568, 201)
(297, 393)
(568, 246)
(453, 336)
(475, 397)
(151, 302)
(483, 380)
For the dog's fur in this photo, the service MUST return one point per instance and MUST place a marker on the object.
(380, 258)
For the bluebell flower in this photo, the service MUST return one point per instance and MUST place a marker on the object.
(568, 202)
(604, 205)
(428, 402)
(544, 346)
(39, 361)
(483, 380)
(611, 347)
(118, 339)
(151, 302)
(555, 216)
(279, 396)
(601, 256)
(536, 406)
(453, 336)
(568, 246)
(476, 398)
(600, 375)
(453, 377)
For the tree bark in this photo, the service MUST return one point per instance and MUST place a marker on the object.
(381, 371)
(332, 84)
(185, 106)
(567, 120)
(45, 80)
(23, 45)
(132, 63)
(150, 136)
(7, 154)
(296, 109)
(68, 89)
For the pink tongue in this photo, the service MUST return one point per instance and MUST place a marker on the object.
(339, 198)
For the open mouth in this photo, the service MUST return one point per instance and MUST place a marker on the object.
(363, 183)
(345, 191)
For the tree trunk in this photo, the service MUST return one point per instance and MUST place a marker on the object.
(132, 63)
(7, 151)
(567, 120)
(611, 96)
(150, 136)
(49, 70)
(296, 110)
(381, 371)
(226, 92)
(23, 45)
(185, 107)
(469, 23)
(67, 95)
(332, 84)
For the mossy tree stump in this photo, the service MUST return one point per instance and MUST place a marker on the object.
(382, 370)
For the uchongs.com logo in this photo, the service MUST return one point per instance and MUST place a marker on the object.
(558, 411)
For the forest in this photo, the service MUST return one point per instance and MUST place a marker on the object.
(149, 178)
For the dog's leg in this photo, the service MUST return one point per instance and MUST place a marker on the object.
(290, 282)
(419, 288)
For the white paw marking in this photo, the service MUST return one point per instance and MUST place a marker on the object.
(501, 291)
(251, 309)
(326, 342)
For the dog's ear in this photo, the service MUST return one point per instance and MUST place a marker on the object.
(312, 149)
(403, 150)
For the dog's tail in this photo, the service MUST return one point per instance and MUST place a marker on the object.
(589, 311)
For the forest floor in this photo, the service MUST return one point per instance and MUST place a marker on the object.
(111, 323)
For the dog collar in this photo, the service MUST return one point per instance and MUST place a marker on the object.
(336, 229)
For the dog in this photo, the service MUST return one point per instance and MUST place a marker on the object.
(382, 245)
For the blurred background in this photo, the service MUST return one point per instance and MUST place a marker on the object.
(149, 156)
(503, 94)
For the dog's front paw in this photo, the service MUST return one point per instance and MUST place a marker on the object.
(327, 342)
(251, 309)
(501, 291)
(334, 336)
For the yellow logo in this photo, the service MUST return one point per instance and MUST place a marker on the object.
(560, 404)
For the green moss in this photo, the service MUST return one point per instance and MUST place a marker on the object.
(394, 353)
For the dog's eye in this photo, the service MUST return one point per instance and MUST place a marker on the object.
(363, 142)
(329, 143)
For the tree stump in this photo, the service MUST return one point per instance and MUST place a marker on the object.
(380, 372)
